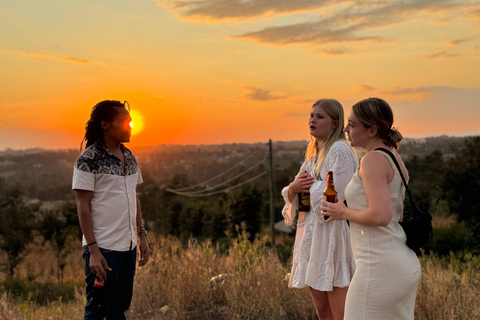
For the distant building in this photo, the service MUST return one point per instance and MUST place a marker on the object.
(280, 226)
(447, 156)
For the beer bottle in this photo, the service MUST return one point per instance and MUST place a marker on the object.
(304, 201)
(330, 194)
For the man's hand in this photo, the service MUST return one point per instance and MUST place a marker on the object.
(144, 251)
(98, 265)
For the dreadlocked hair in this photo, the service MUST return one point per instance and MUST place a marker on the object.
(102, 111)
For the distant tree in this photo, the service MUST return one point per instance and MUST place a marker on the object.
(245, 205)
(462, 187)
(190, 219)
(213, 220)
(3, 185)
(58, 226)
(17, 225)
(426, 177)
(152, 199)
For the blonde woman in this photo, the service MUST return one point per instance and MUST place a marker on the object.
(388, 272)
(322, 255)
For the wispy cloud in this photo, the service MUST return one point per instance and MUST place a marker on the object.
(456, 42)
(301, 115)
(396, 93)
(307, 33)
(440, 54)
(350, 24)
(337, 21)
(447, 108)
(238, 51)
(241, 10)
(365, 88)
(336, 51)
(61, 58)
(476, 14)
(257, 94)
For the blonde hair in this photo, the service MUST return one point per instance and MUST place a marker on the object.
(335, 111)
(377, 112)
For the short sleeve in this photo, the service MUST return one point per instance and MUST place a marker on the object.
(83, 180)
(139, 177)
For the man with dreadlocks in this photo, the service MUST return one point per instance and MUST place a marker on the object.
(105, 177)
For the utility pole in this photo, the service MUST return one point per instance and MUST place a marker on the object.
(272, 211)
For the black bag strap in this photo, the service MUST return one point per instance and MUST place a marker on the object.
(412, 202)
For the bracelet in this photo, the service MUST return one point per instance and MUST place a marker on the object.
(141, 230)
(89, 244)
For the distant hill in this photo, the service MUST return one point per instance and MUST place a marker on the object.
(47, 174)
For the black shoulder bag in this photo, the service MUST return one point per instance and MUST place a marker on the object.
(416, 223)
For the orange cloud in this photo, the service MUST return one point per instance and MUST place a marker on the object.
(257, 94)
(211, 11)
(397, 93)
(456, 42)
(440, 54)
(58, 58)
(339, 21)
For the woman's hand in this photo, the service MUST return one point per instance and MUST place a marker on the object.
(334, 211)
(302, 183)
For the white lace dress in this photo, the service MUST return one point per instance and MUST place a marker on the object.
(322, 254)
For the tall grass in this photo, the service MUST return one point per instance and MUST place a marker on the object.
(251, 284)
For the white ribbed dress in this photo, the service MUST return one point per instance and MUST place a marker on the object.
(322, 254)
(387, 271)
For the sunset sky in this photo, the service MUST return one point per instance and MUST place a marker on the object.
(224, 71)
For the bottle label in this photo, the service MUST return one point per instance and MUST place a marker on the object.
(330, 198)
(99, 283)
(305, 199)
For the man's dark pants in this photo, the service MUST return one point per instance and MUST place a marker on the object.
(114, 298)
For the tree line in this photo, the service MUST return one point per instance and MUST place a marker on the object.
(444, 185)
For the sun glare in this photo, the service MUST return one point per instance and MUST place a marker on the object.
(137, 123)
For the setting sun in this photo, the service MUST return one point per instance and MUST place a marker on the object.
(137, 123)
(199, 74)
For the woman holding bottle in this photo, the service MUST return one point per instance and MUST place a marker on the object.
(322, 254)
(387, 271)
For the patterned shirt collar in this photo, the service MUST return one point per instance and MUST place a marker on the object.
(98, 159)
(101, 149)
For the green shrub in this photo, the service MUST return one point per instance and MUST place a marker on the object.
(40, 293)
(448, 239)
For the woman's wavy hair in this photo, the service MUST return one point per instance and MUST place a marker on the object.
(377, 112)
(335, 110)
(102, 111)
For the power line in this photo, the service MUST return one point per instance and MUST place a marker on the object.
(188, 194)
(217, 176)
(225, 182)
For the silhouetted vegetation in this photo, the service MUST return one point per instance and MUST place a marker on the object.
(444, 177)
(461, 188)
(16, 227)
(38, 212)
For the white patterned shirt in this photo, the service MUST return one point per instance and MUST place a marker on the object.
(114, 203)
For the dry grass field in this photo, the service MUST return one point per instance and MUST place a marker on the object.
(251, 284)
